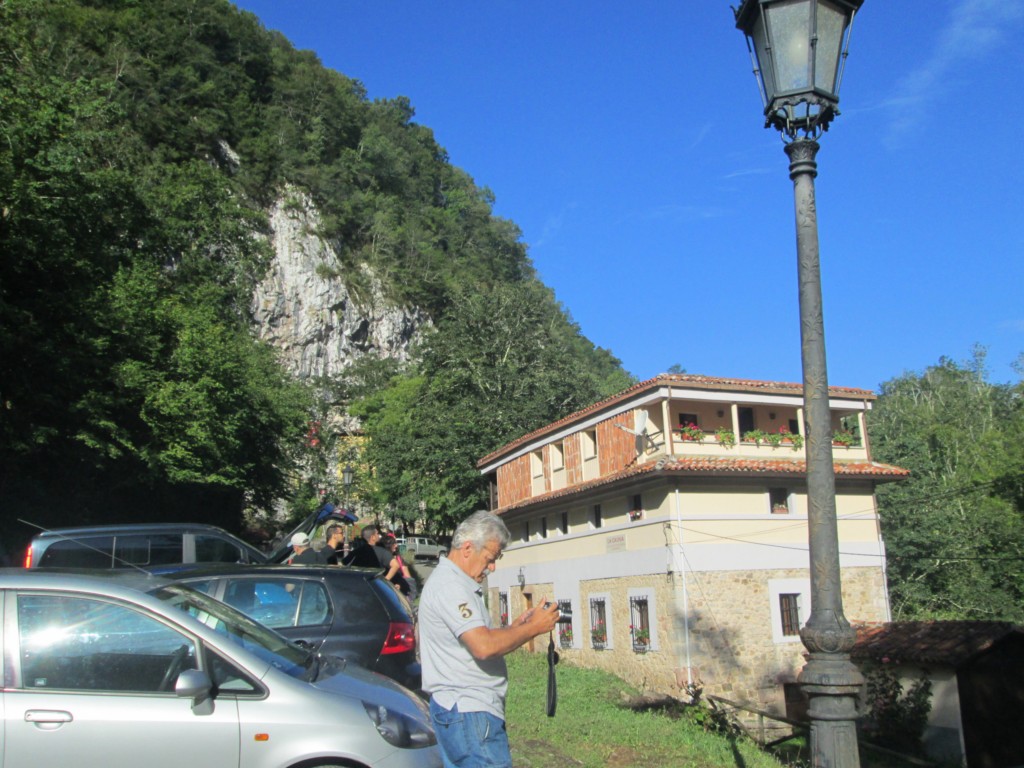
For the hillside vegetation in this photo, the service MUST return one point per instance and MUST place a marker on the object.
(141, 142)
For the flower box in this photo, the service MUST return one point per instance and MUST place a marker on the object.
(690, 433)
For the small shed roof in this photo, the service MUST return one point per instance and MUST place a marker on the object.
(950, 643)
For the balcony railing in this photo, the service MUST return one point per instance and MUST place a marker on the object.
(693, 441)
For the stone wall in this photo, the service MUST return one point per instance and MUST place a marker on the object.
(731, 646)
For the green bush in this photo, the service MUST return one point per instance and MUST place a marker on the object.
(896, 719)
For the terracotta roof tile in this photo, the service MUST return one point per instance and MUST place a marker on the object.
(689, 380)
(727, 466)
(929, 642)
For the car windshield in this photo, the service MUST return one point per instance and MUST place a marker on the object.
(276, 650)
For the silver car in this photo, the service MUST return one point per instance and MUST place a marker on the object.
(130, 669)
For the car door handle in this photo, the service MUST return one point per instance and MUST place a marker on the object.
(48, 718)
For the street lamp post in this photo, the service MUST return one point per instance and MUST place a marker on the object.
(798, 48)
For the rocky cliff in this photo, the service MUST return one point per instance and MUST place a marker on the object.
(304, 308)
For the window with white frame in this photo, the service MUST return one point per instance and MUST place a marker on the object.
(564, 526)
(543, 531)
(537, 472)
(789, 612)
(639, 624)
(595, 516)
(588, 453)
(600, 623)
(537, 464)
(557, 456)
(565, 638)
(789, 606)
(778, 501)
(636, 507)
(643, 619)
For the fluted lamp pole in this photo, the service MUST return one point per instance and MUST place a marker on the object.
(798, 49)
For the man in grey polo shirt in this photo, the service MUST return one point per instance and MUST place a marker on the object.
(462, 656)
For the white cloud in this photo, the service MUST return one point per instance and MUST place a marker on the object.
(975, 29)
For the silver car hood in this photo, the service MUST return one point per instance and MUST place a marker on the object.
(339, 676)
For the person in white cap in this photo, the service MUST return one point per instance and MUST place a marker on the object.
(302, 552)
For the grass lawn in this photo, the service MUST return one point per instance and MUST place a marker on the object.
(592, 727)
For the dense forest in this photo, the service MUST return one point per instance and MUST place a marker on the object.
(141, 144)
(954, 533)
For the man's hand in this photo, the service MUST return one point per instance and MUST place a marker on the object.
(486, 643)
(541, 619)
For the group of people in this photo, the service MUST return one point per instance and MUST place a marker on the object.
(371, 550)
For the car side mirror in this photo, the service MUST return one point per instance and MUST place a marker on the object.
(195, 684)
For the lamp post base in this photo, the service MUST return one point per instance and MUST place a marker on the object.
(832, 684)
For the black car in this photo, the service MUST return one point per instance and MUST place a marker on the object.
(350, 612)
(141, 545)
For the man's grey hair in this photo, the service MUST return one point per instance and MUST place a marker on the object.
(481, 528)
(332, 529)
(368, 531)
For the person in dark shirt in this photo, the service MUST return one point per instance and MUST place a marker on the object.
(370, 554)
(302, 552)
(334, 551)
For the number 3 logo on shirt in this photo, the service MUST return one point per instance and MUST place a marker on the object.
(464, 610)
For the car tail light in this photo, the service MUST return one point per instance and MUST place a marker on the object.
(28, 557)
(401, 638)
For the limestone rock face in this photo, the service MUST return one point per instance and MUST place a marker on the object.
(304, 308)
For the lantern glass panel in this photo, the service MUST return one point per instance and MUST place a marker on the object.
(789, 26)
(831, 25)
(764, 61)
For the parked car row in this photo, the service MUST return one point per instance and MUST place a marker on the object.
(348, 623)
(353, 613)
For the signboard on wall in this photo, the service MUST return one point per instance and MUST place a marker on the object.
(615, 543)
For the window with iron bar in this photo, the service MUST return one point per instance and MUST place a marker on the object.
(789, 609)
(598, 623)
(503, 608)
(639, 623)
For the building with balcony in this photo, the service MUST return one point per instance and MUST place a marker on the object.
(671, 519)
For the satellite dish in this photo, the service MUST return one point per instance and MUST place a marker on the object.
(642, 438)
(641, 423)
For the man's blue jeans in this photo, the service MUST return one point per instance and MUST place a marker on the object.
(470, 739)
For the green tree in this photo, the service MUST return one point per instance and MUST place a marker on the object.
(954, 532)
(506, 361)
(128, 369)
(140, 146)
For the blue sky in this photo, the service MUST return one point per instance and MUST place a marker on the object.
(625, 140)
